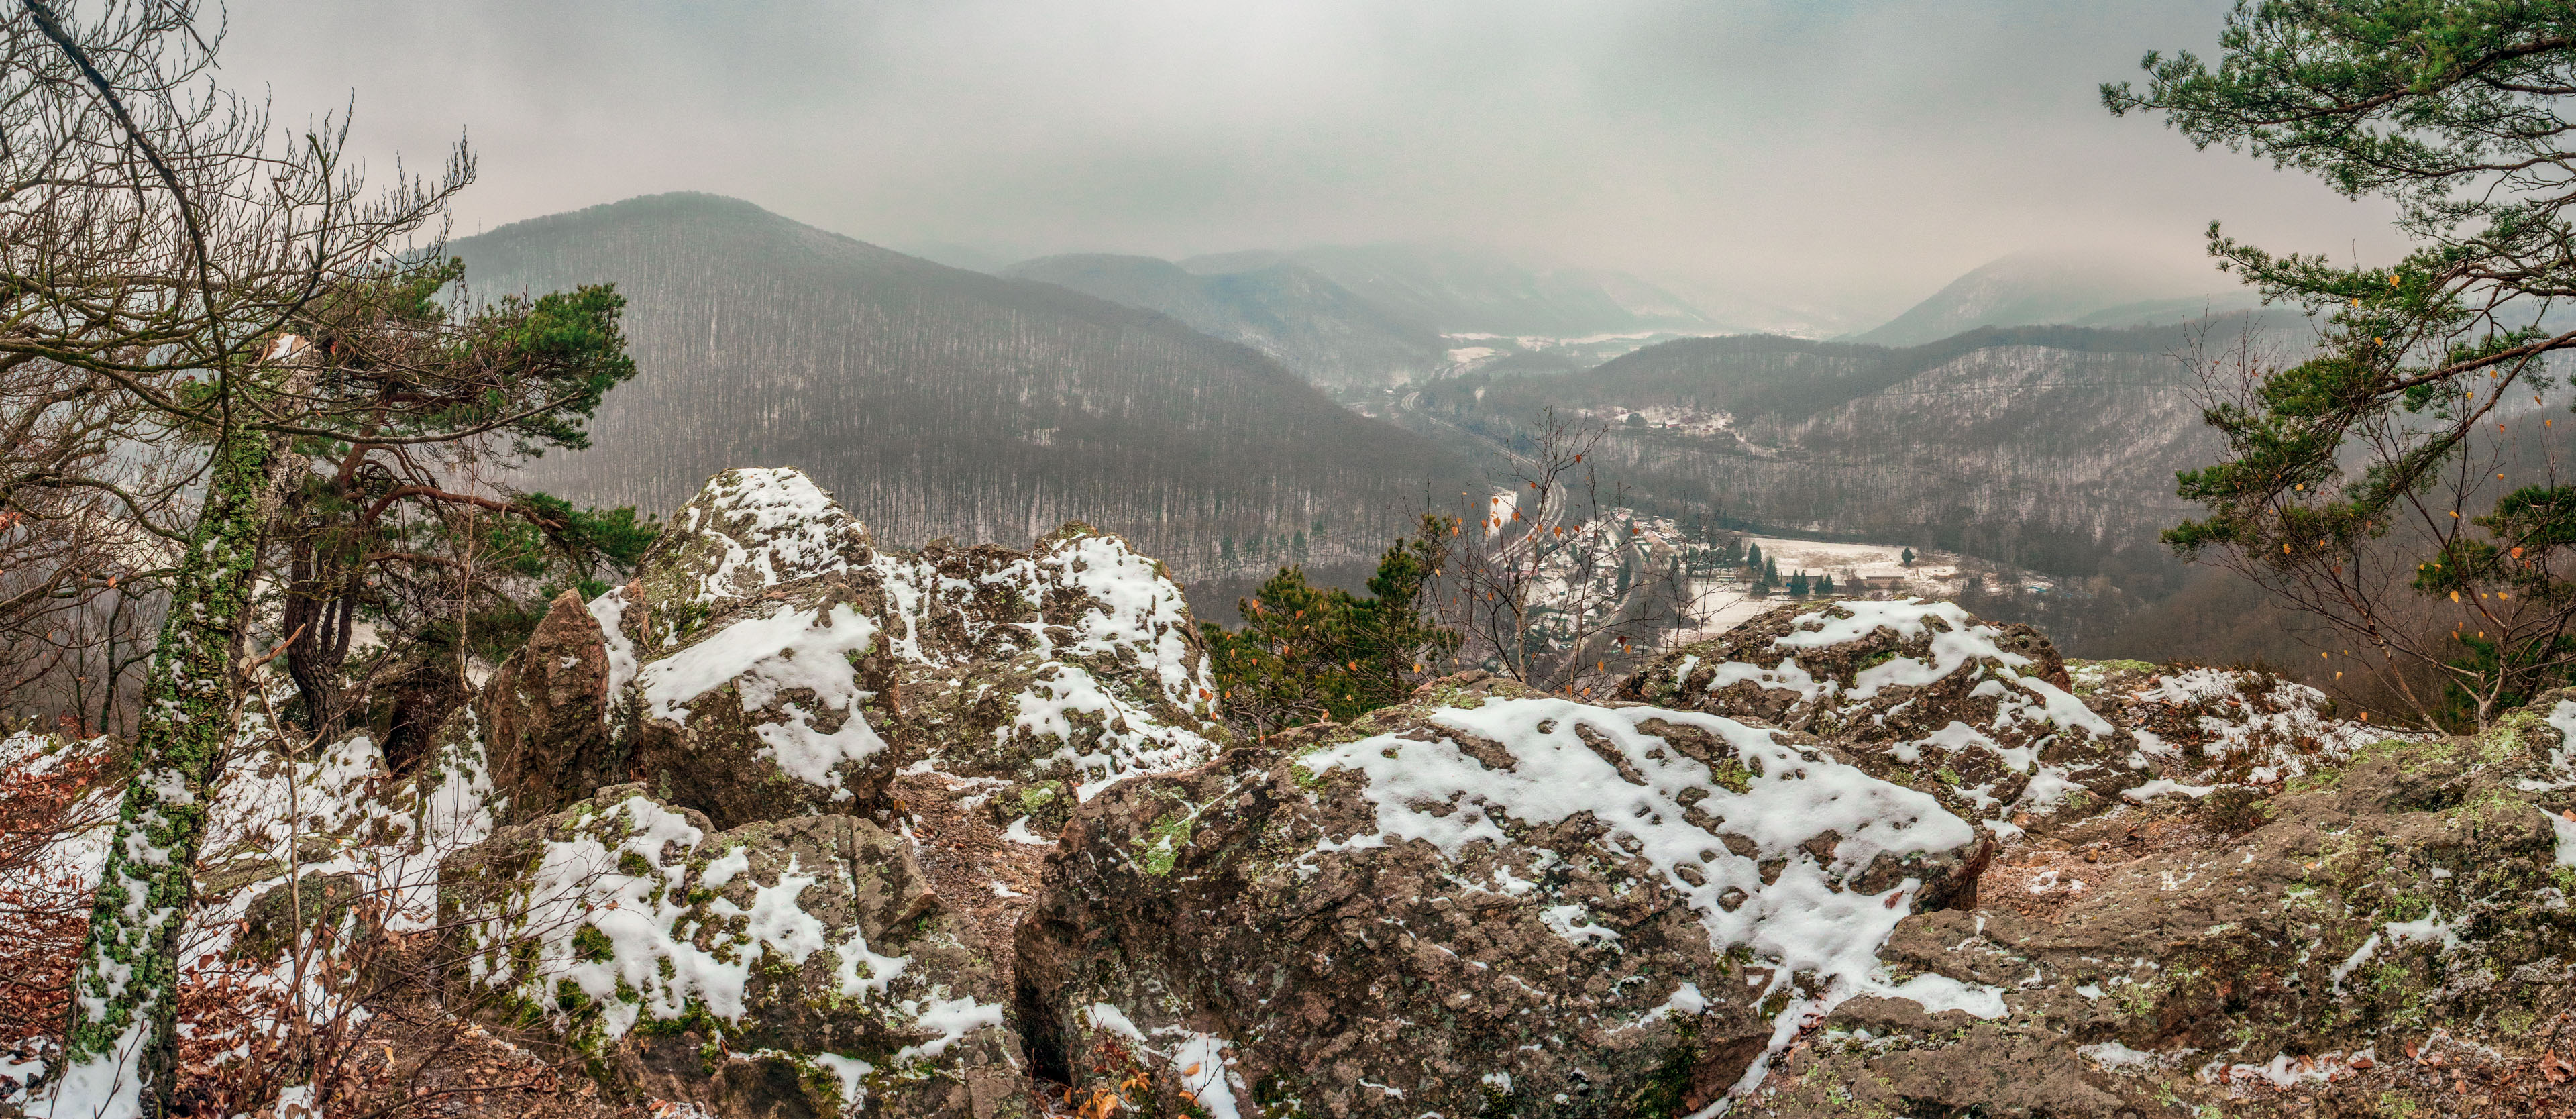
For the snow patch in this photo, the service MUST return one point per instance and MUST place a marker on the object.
(763, 657)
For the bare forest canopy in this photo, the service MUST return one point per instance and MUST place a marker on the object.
(1291, 312)
(2048, 448)
(940, 402)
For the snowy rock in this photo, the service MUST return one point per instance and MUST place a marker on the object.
(747, 530)
(768, 662)
(767, 707)
(1082, 667)
(1918, 692)
(784, 967)
(2396, 934)
(2214, 726)
(1488, 901)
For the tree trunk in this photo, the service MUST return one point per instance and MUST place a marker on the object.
(122, 1047)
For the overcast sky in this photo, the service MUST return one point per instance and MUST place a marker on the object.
(1849, 156)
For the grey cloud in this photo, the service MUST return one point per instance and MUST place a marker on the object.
(1852, 156)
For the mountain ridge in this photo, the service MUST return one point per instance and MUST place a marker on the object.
(2058, 288)
(1292, 313)
(937, 401)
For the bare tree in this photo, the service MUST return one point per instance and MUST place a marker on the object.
(1550, 579)
(243, 290)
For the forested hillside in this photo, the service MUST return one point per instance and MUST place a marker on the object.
(1461, 290)
(2049, 448)
(1292, 313)
(939, 402)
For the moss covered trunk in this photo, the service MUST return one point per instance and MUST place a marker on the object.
(122, 1044)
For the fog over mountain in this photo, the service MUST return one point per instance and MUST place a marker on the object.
(1375, 316)
(2050, 448)
(1292, 313)
(1842, 158)
(1464, 290)
(2097, 288)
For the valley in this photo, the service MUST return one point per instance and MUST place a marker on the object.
(1328, 560)
(1239, 412)
(938, 402)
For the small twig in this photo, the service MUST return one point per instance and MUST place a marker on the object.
(262, 660)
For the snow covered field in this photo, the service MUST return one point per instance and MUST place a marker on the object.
(1724, 599)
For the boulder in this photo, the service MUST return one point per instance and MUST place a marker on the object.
(1918, 692)
(747, 530)
(762, 682)
(1484, 902)
(542, 718)
(2395, 937)
(1050, 674)
(793, 967)
(769, 708)
(1059, 669)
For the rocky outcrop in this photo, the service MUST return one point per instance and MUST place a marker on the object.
(2216, 726)
(770, 706)
(1057, 673)
(1486, 902)
(768, 660)
(747, 925)
(2394, 937)
(1493, 902)
(1920, 693)
(789, 967)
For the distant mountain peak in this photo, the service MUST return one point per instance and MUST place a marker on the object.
(2048, 287)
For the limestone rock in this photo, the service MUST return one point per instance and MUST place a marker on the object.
(769, 708)
(1486, 902)
(1056, 670)
(2395, 940)
(792, 967)
(747, 530)
(2212, 726)
(1921, 693)
(543, 716)
(1051, 673)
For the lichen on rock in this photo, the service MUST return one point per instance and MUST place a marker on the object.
(1918, 692)
(2393, 937)
(695, 964)
(1505, 902)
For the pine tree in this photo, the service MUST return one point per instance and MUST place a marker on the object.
(1753, 556)
(1825, 583)
(1907, 557)
(1305, 653)
(1770, 572)
(2455, 115)
(1798, 584)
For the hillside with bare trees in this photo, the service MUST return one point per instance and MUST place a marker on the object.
(940, 402)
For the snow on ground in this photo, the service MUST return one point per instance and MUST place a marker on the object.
(1469, 352)
(1723, 600)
